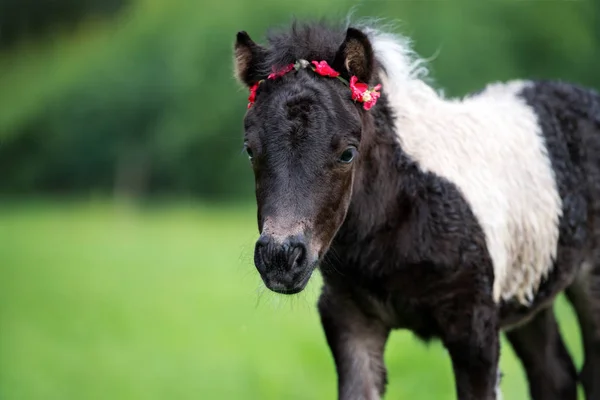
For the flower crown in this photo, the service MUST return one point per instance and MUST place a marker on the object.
(360, 91)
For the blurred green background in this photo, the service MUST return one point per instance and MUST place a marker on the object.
(127, 219)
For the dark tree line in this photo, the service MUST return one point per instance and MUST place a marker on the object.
(35, 18)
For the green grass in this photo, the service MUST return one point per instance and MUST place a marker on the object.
(104, 302)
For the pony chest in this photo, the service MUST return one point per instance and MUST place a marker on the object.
(399, 311)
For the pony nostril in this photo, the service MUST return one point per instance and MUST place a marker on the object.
(297, 255)
(263, 240)
(260, 259)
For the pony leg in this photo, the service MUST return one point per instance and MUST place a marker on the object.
(584, 295)
(471, 336)
(357, 343)
(548, 365)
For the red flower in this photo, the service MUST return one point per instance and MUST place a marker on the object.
(362, 93)
(252, 96)
(281, 72)
(358, 89)
(374, 95)
(322, 68)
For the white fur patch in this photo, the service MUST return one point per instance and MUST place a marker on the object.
(498, 382)
(491, 147)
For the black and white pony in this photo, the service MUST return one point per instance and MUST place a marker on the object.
(454, 218)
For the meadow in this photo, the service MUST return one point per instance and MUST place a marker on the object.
(102, 300)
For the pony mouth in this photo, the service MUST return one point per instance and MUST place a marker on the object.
(299, 286)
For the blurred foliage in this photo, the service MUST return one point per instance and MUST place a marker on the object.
(142, 101)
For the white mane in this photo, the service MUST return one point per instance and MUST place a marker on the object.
(404, 73)
(396, 50)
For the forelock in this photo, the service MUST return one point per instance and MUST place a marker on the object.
(303, 40)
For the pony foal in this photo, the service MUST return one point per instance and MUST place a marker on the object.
(456, 219)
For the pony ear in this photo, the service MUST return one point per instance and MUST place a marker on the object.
(248, 56)
(355, 56)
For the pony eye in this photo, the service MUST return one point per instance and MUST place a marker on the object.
(249, 152)
(348, 155)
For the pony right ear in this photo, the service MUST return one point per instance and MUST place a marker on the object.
(248, 56)
(355, 56)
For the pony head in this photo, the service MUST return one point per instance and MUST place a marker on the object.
(303, 131)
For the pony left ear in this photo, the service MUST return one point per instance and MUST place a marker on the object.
(355, 56)
(248, 56)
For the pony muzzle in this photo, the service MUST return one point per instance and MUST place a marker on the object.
(285, 265)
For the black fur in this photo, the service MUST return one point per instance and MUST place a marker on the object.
(566, 116)
(401, 248)
(569, 118)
